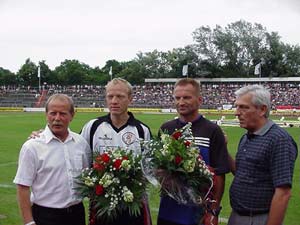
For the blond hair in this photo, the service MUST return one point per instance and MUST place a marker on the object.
(120, 81)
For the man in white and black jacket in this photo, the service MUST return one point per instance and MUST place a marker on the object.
(118, 129)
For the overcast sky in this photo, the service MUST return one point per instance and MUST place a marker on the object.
(94, 31)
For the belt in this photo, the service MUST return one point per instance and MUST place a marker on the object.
(251, 213)
(70, 209)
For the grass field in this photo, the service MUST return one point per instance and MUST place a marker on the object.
(15, 128)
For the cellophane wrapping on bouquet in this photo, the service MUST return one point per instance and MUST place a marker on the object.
(174, 163)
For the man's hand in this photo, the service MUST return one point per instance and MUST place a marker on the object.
(35, 134)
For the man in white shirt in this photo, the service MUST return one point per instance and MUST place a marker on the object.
(49, 165)
(119, 128)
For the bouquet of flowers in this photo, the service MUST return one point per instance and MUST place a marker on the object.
(114, 184)
(174, 162)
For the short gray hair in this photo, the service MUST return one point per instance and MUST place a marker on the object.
(61, 97)
(260, 96)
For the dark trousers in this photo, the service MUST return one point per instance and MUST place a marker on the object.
(123, 219)
(73, 215)
(165, 222)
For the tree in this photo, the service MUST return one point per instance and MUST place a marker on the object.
(27, 75)
(115, 66)
(230, 51)
(155, 64)
(7, 77)
(97, 76)
(47, 75)
(133, 72)
(72, 72)
(179, 57)
(233, 49)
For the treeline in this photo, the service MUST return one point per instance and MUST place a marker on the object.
(231, 51)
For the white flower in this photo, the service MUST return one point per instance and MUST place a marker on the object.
(116, 154)
(127, 195)
(106, 180)
(126, 165)
(88, 182)
(189, 166)
(116, 180)
(164, 137)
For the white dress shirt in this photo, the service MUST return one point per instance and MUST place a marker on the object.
(50, 167)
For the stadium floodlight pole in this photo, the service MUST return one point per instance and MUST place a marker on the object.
(260, 73)
(39, 76)
(262, 61)
(110, 72)
(257, 69)
(185, 70)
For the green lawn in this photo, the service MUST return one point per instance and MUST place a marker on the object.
(15, 128)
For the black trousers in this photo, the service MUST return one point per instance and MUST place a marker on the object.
(124, 219)
(73, 215)
(165, 222)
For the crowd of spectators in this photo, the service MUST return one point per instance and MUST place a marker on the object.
(157, 95)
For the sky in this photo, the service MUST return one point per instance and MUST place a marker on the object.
(95, 31)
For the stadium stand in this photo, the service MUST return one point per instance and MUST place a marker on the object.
(217, 94)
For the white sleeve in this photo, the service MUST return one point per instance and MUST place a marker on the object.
(88, 156)
(86, 130)
(27, 167)
(147, 133)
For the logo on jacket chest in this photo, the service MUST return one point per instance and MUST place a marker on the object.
(128, 138)
(105, 138)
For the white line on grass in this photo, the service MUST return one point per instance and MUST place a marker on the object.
(8, 164)
(7, 186)
(2, 217)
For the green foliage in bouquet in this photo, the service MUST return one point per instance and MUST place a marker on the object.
(115, 183)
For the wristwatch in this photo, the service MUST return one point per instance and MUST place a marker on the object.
(215, 212)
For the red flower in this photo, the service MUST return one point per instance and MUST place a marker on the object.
(125, 157)
(187, 143)
(105, 157)
(98, 166)
(178, 159)
(99, 189)
(117, 163)
(98, 158)
(176, 135)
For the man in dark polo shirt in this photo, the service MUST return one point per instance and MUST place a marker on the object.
(211, 142)
(261, 188)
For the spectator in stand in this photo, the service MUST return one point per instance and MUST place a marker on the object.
(214, 95)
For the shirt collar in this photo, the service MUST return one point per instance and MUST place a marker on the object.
(262, 131)
(194, 121)
(130, 120)
(50, 136)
